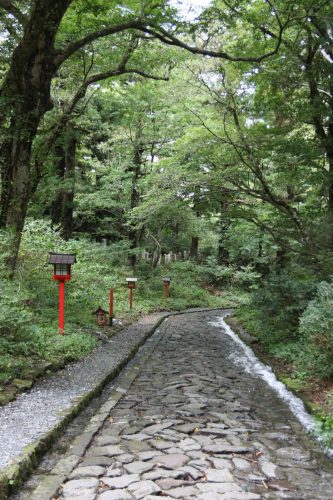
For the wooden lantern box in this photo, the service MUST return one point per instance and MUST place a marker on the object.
(101, 316)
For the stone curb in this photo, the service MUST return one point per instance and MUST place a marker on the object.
(12, 476)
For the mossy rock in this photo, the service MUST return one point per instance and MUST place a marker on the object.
(22, 384)
(36, 370)
(7, 395)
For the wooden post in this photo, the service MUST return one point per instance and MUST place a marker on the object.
(166, 291)
(111, 307)
(131, 297)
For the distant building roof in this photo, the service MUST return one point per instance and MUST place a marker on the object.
(61, 258)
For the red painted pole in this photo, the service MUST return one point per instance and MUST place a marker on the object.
(111, 307)
(61, 307)
(131, 297)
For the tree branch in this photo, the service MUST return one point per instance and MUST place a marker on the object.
(63, 55)
(165, 37)
(169, 39)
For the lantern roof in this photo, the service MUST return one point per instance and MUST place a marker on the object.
(61, 258)
(100, 310)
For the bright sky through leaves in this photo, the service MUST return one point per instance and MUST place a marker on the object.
(190, 10)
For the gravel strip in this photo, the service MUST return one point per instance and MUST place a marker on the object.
(39, 410)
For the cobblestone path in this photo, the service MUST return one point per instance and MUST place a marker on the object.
(194, 425)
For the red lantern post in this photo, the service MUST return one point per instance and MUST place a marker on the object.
(131, 283)
(62, 272)
(61, 324)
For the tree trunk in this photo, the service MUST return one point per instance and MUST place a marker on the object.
(15, 190)
(62, 207)
(56, 207)
(281, 258)
(67, 207)
(194, 250)
(329, 154)
(223, 253)
(133, 233)
(25, 98)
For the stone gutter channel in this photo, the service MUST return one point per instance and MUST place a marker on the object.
(33, 422)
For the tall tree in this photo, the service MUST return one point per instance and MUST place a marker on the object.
(42, 50)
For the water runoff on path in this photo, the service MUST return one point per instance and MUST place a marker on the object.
(245, 358)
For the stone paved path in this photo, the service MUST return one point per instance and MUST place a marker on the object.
(194, 425)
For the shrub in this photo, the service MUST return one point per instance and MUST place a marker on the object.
(14, 316)
(246, 277)
(275, 308)
(316, 328)
(216, 274)
(53, 347)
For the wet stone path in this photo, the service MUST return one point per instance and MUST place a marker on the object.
(195, 425)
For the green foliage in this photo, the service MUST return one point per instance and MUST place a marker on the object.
(276, 306)
(72, 346)
(326, 430)
(316, 328)
(244, 276)
(15, 318)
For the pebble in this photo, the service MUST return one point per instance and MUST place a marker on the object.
(219, 476)
(114, 495)
(182, 492)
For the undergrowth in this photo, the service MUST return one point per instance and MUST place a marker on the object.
(29, 303)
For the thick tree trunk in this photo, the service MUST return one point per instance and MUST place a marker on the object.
(25, 98)
(15, 191)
